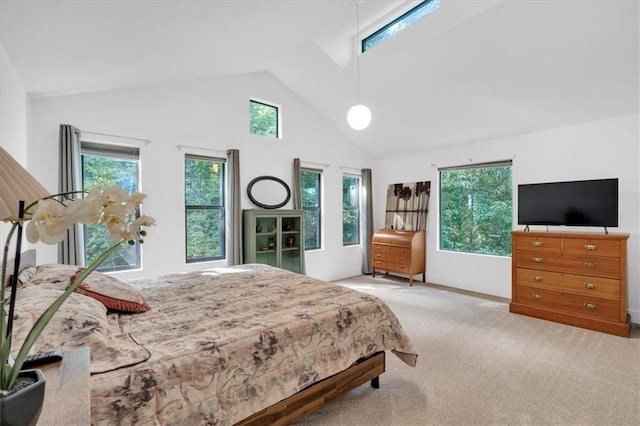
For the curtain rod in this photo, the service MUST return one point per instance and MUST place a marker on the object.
(219, 151)
(311, 163)
(352, 169)
(146, 141)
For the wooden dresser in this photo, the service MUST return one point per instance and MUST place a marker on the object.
(399, 251)
(573, 278)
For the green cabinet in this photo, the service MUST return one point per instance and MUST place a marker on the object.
(274, 237)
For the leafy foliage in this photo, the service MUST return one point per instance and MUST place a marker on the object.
(310, 181)
(204, 204)
(476, 210)
(108, 171)
(350, 210)
(263, 119)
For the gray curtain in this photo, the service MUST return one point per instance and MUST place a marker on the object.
(234, 236)
(297, 185)
(71, 249)
(297, 202)
(366, 223)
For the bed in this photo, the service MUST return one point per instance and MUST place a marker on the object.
(249, 344)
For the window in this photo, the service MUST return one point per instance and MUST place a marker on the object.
(109, 165)
(476, 209)
(398, 24)
(350, 210)
(263, 119)
(204, 208)
(311, 196)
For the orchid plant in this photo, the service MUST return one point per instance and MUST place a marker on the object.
(49, 218)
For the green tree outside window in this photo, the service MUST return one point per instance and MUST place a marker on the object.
(311, 197)
(350, 210)
(476, 211)
(204, 208)
(263, 119)
(109, 170)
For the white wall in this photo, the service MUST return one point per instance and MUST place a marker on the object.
(213, 114)
(602, 149)
(14, 113)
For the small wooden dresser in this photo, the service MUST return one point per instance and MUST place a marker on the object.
(399, 251)
(573, 278)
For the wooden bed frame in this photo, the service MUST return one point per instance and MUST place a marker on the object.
(307, 400)
(317, 395)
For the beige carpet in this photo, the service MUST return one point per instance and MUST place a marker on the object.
(479, 364)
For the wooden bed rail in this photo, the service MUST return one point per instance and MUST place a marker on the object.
(317, 395)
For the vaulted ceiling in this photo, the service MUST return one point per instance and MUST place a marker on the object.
(471, 71)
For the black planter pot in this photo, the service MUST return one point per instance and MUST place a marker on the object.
(24, 406)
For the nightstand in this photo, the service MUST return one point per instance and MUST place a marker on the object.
(67, 393)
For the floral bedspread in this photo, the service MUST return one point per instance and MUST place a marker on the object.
(229, 342)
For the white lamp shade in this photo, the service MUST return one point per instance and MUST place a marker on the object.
(359, 117)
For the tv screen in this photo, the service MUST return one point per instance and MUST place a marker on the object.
(576, 203)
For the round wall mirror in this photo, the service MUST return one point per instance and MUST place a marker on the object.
(268, 192)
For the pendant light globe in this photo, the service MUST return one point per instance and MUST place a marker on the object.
(359, 117)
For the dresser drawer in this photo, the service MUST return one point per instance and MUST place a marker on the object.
(400, 251)
(403, 269)
(382, 264)
(608, 248)
(603, 288)
(381, 250)
(567, 302)
(400, 256)
(538, 244)
(593, 266)
(539, 260)
(582, 265)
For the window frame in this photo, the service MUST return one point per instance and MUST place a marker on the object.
(441, 226)
(318, 209)
(122, 152)
(278, 122)
(222, 208)
(357, 209)
(426, 4)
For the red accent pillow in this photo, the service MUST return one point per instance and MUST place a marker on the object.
(111, 292)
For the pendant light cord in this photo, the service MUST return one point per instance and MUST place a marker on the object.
(358, 51)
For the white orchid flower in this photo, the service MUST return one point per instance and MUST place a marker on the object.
(114, 196)
(49, 222)
(142, 221)
(91, 207)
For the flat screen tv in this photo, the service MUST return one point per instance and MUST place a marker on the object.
(576, 203)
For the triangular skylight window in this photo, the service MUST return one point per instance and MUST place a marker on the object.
(400, 23)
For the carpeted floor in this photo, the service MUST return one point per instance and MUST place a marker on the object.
(479, 364)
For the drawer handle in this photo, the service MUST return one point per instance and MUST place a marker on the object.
(537, 260)
(590, 286)
(590, 264)
(537, 279)
(590, 246)
(590, 306)
(536, 243)
(537, 296)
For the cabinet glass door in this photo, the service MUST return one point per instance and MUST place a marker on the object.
(290, 243)
(266, 239)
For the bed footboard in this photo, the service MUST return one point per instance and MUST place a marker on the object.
(317, 395)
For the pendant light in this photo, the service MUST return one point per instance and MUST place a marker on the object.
(359, 116)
